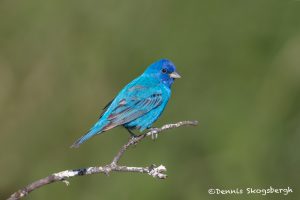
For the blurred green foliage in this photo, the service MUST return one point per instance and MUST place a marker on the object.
(61, 61)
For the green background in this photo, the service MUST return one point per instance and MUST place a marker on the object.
(62, 61)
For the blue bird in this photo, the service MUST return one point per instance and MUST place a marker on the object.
(140, 103)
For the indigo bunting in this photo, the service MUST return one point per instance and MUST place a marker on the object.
(140, 103)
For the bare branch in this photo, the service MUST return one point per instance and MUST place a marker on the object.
(153, 170)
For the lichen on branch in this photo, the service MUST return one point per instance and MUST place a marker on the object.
(152, 170)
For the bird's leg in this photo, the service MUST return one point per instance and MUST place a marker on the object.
(154, 134)
(131, 133)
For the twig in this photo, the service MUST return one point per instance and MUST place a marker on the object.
(153, 170)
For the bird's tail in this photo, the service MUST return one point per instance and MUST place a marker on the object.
(88, 135)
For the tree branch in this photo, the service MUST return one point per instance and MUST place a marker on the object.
(153, 170)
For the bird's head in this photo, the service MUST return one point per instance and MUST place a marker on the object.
(164, 71)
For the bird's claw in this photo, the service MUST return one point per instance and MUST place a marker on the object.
(154, 133)
(133, 140)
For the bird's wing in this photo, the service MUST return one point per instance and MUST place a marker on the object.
(133, 107)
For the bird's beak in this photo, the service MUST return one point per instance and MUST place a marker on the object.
(174, 75)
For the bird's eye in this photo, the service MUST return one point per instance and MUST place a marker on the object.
(164, 70)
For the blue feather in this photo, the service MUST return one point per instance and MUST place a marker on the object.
(140, 103)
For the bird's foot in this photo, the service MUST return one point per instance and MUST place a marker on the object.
(133, 136)
(154, 133)
(134, 140)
